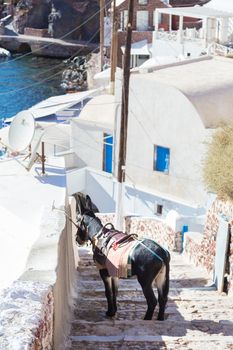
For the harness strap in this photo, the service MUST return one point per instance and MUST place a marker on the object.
(150, 250)
(99, 234)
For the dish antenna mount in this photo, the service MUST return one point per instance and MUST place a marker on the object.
(23, 131)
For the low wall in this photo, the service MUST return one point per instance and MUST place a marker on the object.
(151, 228)
(155, 229)
(37, 309)
(202, 249)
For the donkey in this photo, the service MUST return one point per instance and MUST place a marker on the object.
(149, 263)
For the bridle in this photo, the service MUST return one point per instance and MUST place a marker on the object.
(81, 223)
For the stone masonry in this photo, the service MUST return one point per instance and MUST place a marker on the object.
(153, 228)
(202, 250)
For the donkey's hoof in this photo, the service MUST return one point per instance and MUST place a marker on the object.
(110, 313)
(147, 318)
(160, 318)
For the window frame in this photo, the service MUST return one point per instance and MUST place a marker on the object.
(143, 2)
(155, 157)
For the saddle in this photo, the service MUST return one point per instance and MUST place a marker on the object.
(109, 238)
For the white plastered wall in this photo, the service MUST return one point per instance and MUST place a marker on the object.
(164, 116)
(87, 143)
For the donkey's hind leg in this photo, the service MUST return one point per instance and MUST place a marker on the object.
(150, 298)
(162, 282)
(110, 292)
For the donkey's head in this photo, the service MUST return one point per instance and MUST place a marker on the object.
(84, 217)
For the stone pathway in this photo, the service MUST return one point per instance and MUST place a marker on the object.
(197, 317)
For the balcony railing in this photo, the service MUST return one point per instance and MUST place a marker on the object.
(190, 34)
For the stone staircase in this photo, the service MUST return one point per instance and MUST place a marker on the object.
(197, 317)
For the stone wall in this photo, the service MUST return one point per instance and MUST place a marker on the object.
(43, 335)
(36, 32)
(202, 250)
(27, 309)
(151, 228)
(155, 229)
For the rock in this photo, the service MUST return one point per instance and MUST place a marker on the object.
(60, 17)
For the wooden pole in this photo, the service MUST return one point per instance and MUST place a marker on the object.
(125, 97)
(113, 48)
(43, 158)
(101, 2)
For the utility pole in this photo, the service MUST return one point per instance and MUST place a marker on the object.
(124, 119)
(101, 2)
(125, 97)
(113, 48)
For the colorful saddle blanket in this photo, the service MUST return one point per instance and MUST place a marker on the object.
(113, 250)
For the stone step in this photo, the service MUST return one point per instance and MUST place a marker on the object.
(151, 331)
(137, 312)
(153, 343)
(125, 293)
(197, 317)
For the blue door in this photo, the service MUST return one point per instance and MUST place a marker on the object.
(108, 146)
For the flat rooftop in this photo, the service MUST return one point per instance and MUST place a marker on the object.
(195, 12)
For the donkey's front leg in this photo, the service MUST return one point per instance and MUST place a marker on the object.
(115, 285)
(109, 292)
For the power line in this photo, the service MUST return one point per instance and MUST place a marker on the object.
(48, 78)
(61, 38)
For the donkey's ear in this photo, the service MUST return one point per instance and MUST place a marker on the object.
(79, 205)
(88, 203)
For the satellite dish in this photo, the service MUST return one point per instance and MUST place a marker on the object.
(21, 131)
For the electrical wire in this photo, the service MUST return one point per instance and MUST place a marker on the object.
(47, 78)
(61, 38)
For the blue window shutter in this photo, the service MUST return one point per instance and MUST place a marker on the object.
(108, 146)
(162, 159)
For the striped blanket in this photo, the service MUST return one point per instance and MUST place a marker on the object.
(114, 254)
(118, 262)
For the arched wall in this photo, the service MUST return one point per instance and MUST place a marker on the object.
(164, 116)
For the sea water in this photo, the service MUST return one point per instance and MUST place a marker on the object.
(27, 80)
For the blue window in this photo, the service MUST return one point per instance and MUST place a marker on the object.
(107, 159)
(161, 159)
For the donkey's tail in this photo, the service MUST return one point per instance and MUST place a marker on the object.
(167, 279)
(162, 278)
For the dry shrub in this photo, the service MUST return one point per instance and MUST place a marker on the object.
(218, 165)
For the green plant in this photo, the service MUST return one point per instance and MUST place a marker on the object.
(218, 164)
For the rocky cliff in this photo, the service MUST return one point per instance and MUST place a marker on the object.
(69, 18)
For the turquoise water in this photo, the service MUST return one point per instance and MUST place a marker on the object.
(23, 82)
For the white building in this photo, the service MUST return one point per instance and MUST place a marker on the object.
(216, 27)
(173, 111)
(92, 133)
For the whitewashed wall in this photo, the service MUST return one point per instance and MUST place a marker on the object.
(87, 143)
(102, 189)
(164, 116)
